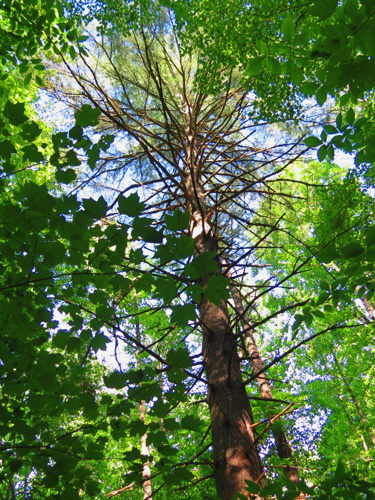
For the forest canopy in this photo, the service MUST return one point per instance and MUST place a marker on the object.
(188, 241)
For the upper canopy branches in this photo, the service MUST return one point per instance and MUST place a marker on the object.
(171, 130)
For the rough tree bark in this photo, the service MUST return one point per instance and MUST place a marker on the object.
(236, 458)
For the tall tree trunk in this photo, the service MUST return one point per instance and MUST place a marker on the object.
(284, 450)
(236, 458)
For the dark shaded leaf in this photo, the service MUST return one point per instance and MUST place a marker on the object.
(15, 113)
(97, 208)
(87, 116)
(178, 221)
(352, 250)
(116, 380)
(328, 254)
(181, 315)
(217, 288)
(204, 263)
(312, 142)
(131, 205)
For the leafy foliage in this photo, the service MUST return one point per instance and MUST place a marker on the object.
(152, 207)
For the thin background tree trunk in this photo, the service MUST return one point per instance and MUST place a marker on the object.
(146, 469)
(284, 450)
(356, 403)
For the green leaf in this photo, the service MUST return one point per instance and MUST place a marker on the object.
(328, 254)
(179, 475)
(319, 314)
(298, 319)
(340, 473)
(178, 221)
(191, 423)
(168, 451)
(309, 88)
(323, 8)
(204, 263)
(87, 116)
(72, 52)
(61, 339)
(137, 427)
(15, 113)
(99, 342)
(322, 152)
(31, 130)
(252, 487)
(321, 95)
(53, 254)
(142, 228)
(254, 66)
(296, 74)
(273, 65)
(76, 132)
(350, 116)
(195, 292)
(181, 315)
(131, 205)
(312, 142)
(135, 376)
(261, 46)
(274, 488)
(177, 376)
(66, 176)
(217, 289)
(106, 141)
(339, 121)
(144, 392)
(144, 282)
(368, 40)
(133, 455)
(179, 358)
(97, 208)
(27, 79)
(93, 156)
(330, 129)
(32, 154)
(351, 250)
(370, 236)
(330, 152)
(324, 286)
(171, 424)
(6, 149)
(184, 247)
(175, 248)
(116, 380)
(288, 27)
(166, 288)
